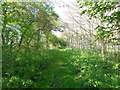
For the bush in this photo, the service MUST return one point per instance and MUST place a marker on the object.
(59, 68)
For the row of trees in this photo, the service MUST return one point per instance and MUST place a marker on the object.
(28, 24)
(108, 32)
(93, 24)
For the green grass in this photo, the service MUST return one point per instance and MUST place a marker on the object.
(59, 68)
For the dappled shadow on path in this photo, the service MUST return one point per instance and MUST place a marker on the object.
(77, 69)
(60, 68)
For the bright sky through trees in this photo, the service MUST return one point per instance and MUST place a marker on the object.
(60, 44)
(61, 9)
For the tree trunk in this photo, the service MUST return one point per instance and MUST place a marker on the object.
(4, 10)
(103, 47)
(47, 41)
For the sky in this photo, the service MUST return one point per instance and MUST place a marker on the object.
(60, 11)
(60, 8)
(59, 5)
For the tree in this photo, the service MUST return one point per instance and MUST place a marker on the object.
(30, 26)
(109, 17)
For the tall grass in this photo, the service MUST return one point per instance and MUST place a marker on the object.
(59, 68)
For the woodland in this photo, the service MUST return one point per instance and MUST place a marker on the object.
(85, 55)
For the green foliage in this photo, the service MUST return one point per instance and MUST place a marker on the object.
(108, 14)
(59, 68)
(28, 63)
(55, 41)
(31, 25)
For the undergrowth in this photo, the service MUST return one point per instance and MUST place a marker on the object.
(59, 68)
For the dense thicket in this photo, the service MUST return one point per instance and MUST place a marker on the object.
(60, 68)
(27, 25)
(33, 57)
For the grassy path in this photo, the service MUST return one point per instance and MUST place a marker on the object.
(58, 73)
(61, 68)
